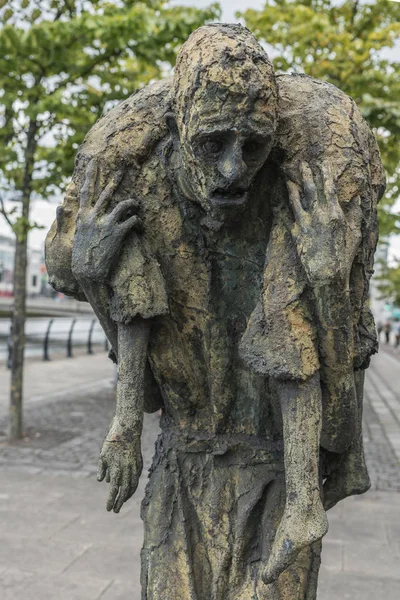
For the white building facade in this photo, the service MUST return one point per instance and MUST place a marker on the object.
(377, 303)
(35, 268)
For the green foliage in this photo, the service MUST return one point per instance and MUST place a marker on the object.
(389, 283)
(62, 64)
(345, 42)
(22, 226)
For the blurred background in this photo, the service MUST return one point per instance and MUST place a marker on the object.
(63, 63)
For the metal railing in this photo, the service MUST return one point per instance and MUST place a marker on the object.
(44, 338)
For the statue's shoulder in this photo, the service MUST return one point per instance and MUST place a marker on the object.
(290, 84)
(126, 139)
(131, 129)
(320, 122)
(312, 103)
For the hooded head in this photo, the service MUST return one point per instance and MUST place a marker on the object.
(225, 102)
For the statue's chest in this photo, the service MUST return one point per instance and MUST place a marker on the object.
(220, 280)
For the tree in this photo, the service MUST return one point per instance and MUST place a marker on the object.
(389, 283)
(345, 42)
(62, 63)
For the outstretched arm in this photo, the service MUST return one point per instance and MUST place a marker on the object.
(98, 241)
(304, 520)
(120, 460)
(327, 241)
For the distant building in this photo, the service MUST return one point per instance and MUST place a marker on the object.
(379, 306)
(35, 268)
(7, 250)
(34, 279)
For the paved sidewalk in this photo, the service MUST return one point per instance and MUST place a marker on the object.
(381, 423)
(59, 543)
(57, 378)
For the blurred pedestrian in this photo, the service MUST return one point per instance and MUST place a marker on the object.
(397, 332)
(387, 328)
(379, 329)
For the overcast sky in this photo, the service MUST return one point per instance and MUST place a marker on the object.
(44, 212)
(229, 7)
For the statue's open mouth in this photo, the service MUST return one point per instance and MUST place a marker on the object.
(229, 197)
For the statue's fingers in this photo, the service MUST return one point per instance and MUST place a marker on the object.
(108, 476)
(124, 489)
(291, 171)
(309, 192)
(114, 488)
(132, 223)
(113, 493)
(295, 201)
(135, 475)
(131, 492)
(353, 212)
(327, 188)
(124, 210)
(101, 471)
(60, 217)
(62, 214)
(88, 189)
(306, 172)
(107, 194)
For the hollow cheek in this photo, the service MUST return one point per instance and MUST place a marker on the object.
(198, 180)
(255, 165)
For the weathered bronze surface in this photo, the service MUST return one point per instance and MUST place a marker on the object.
(222, 224)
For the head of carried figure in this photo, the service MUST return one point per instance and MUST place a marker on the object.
(225, 106)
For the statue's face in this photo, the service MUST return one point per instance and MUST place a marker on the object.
(222, 152)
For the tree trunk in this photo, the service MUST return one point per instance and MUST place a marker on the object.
(15, 429)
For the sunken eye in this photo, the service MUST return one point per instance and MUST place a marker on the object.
(211, 146)
(253, 147)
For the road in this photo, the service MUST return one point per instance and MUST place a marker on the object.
(48, 306)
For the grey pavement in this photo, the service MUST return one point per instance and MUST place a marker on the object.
(58, 542)
(50, 381)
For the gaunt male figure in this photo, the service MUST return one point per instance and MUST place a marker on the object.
(189, 296)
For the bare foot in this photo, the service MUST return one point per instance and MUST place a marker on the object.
(299, 527)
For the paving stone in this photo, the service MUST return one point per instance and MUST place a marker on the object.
(40, 524)
(332, 554)
(113, 528)
(373, 559)
(60, 587)
(393, 532)
(348, 529)
(121, 591)
(37, 556)
(67, 444)
(58, 542)
(57, 378)
(120, 557)
(345, 586)
(366, 509)
(13, 581)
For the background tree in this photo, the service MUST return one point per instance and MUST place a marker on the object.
(62, 63)
(345, 42)
(389, 283)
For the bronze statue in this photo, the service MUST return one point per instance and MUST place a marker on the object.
(222, 224)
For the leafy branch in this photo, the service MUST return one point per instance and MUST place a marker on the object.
(6, 214)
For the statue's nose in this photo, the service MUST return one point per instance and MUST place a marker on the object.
(232, 165)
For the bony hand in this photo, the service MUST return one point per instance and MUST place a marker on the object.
(100, 234)
(120, 464)
(326, 237)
